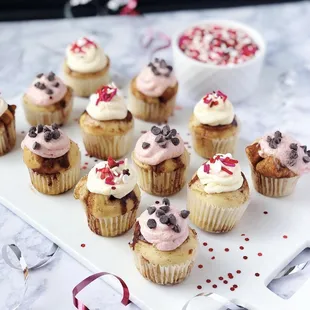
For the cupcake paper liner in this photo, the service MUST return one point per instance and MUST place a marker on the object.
(111, 226)
(273, 187)
(104, 146)
(210, 217)
(57, 183)
(151, 112)
(164, 275)
(7, 138)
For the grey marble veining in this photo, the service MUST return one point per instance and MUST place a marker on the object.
(282, 98)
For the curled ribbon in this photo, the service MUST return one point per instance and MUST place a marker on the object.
(229, 305)
(78, 288)
(23, 265)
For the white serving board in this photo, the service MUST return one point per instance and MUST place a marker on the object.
(62, 219)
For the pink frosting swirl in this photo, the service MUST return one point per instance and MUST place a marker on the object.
(165, 237)
(46, 89)
(150, 152)
(154, 79)
(38, 143)
(287, 150)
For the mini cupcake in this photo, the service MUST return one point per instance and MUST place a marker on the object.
(52, 159)
(218, 194)
(213, 126)
(277, 161)
(152, 94)
(161, 160)
(48, 100)
(107, 125)
(86, 67)
(164, 246)
(111, 197)
(7, 127)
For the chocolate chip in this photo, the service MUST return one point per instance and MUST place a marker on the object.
(163, 144)
(36, 146)
(172, 219)
(184, 213)
(278, 134)
(164, 219)
(166, 201)
(304, 147)
(40, 85)
(49, 91)
(272, 144)
(167, 74)
(166, 130)
(155, 71)
(165, 208)
(56, 134)
(308, 153)
(151, 210)
(173, 132)
(32, 134)
(33, 128)
(40, 128)
(156, 60)
(159, 138)
(162, 63)
(169, 68)
(151, 223)
(159, 212)
(293, 146)
(56, 84)
(39, 75)
(150, 64)
(277, 140)
(176, 228)
(293, 155)
(45, 129)
(269, 139)
(175, 141)
(291, 162)
(48, 136)
(51, 76)
(306, 159)
(145, 145)
(55, 126)
(155, 130)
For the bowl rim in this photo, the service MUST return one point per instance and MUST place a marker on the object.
(256, 36)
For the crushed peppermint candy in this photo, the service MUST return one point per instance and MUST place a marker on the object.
(213, 98)
(106, 94)
(79, 46)
(218, 45)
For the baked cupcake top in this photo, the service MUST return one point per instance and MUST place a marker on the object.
(155, 78)
(46, 141)
(116, 178)
(107, 104)
(158, 145)
(287, 150)
(220, 174)
(164, 226)
(46, 89)
(3, 106)
(214, 109)
(85, 56)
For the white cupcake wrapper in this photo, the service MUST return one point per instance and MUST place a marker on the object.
(210, 217)
(7, 138)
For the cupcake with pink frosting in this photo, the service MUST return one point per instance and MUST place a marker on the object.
(218, 194)
(161, 160)
(277, 161)
(48, 100)
(52, 159)
(152, 93)
(163, 244)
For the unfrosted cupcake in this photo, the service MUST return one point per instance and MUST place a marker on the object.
(213, 125)
(164, 246)
(7, 127)
(52, 159)
(111, 197)
(152, 94)
(277, 161)
(218, 194)
(161, 160)
(86, 67)
(107, 125)
(48, 100)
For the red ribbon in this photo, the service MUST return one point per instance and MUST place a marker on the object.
(78, 288)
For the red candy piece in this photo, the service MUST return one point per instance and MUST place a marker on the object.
(206, 168)
(112, 163)
(106, 94)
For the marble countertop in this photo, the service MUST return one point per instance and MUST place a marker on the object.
(28, 48)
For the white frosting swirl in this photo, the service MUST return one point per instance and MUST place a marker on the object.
(214, 109)
(119, 185)
(215, 178)
(101, 110)
(85, 56)
(3, 106)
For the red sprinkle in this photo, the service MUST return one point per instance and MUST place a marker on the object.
(206, 168)
(106, 94)
(225, 281)
(83, 245)
(260, 254)
(200, 266)
(241, 247)
(208, 281)
(242, 235)
(205, 244)
(79, 48)
(221, 278)
(226, 170)
(227, 250)
(235, 286)
(199, 287)
(245, 257)
(247, 239)
(232, 289)
(257, 274)
(214, 286)
(213, 257)
(113, 187)
(210, 250)
(238, 271)
(265, 212)
(285, 236)
(230, 276)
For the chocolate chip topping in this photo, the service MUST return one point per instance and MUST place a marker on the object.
(51, 76)
(39, 75)
(162, 144)
(32, 134)
(145, 145)
(56, 84)
(304, 147)
(176, 228)
(165, 208)
(33, 128)
(36, 146)
(163, 63)
(293, 146)
(56, 134)
(175, 141)
(155, 130)
(308, 153)
(274, 142)
(278, 134)
(45, 129)
(166, 201)
(306, 159)
(151, 210)
(172, 219)
(151, 223)
(160, 212)
(55, 126)
(269, 139)
(166, 130)
(184, 213)
(40, 128)
(160, 68)
(159, 138)
(164, 135)
(49, 91)
(40, 85)
(164, 219)
(48, 136)
(293, 155)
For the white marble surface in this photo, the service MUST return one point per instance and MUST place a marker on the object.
(281, 101)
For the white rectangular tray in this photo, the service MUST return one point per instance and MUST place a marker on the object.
(277, 228)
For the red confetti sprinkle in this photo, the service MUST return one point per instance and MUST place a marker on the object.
(208, 281)
(247, 239)
(235, 286)
(230, 275)
(214, 286)
(199, 287)
(86, 163)
(221, 278)
(241, 247)
(200, 266)
(232, 289)
(257, 274)
(242, 235)
(226, 170)
(213, 257)
(205, 244)
(227, 250)
(157, 202)
(106, 94)
(265, 212)
(285, 236)
(84, 167)
(143, 131)
(210, 250)
(238, 271)
(225, 281)
(178, 108)
(78, 47)
(260, 254)
(206, 168)
(245, 257)
(83, 245)
(113, 187)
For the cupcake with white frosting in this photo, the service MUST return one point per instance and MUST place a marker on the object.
(163, 244)
(111, 197)
(107, 125)
(218, 194)
(152, 94)
(48, 100)
(86, 67)
(213, 125)
(7, 127)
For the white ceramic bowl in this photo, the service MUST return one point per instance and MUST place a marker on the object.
(238, 81)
